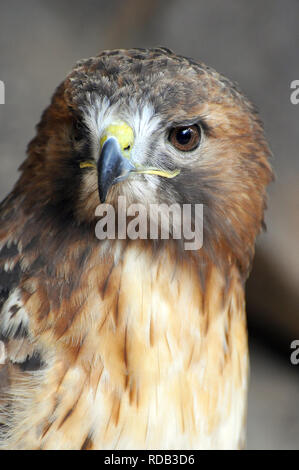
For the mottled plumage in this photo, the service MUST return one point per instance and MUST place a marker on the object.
(130, 343)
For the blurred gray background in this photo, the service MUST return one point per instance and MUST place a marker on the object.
(255, 43)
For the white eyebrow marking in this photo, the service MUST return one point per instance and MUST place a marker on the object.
(140, 116)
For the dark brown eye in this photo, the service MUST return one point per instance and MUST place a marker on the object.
(185, 138)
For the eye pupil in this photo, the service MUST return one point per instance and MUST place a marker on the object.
(185, 138)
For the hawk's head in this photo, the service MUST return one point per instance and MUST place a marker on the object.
(156, 128)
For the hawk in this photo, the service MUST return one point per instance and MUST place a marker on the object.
(131, 343)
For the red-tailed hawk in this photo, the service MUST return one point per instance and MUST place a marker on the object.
(123, 343)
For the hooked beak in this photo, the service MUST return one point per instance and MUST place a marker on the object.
(112, 166)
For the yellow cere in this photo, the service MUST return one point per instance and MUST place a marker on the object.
(124, 135)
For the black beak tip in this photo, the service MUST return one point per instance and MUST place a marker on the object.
(102, 194)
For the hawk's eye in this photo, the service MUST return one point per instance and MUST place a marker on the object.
(185, 138)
